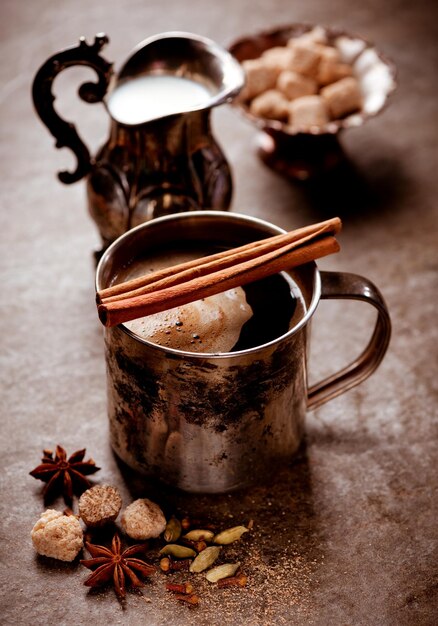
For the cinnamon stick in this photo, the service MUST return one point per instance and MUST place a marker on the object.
(241, 273)
(200, 267)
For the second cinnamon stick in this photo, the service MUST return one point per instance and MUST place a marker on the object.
(113, 313)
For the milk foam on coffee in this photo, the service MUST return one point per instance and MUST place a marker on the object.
(146, 98)
(212, 324)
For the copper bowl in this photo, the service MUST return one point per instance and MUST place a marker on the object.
(299, 154)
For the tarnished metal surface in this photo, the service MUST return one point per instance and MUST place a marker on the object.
(205, 425)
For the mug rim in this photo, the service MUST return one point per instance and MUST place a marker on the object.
(238, 217)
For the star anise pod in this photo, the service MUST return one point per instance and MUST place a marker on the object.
(64, 476)
(115, 564)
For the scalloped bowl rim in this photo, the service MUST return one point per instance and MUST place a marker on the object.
(351, 121)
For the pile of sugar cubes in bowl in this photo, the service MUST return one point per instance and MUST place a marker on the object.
(316, 80)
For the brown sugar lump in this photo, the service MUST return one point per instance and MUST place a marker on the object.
(328, 53)
(315, 35)
(277, 57)
(271, 105)
(58, 536)
(294, 85)
(306, 58)
(342, 97)
(259, 78)
(143, 519)
(308, 111)
(329, 73)
(100, 505)
(330, 68)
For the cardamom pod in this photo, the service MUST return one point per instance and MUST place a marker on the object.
(179, 552)
(199, 535)
(172, 531)
(231, 534)
(222, 571)
(204, 559)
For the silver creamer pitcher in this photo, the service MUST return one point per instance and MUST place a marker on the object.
(161, 156)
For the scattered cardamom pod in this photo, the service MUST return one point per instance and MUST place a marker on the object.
(179, 552)
(222, 571)
(204, 559)
(231, 534)
(199, 535)
(172, 531)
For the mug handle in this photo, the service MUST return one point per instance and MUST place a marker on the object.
(64, 132)
(341, 285)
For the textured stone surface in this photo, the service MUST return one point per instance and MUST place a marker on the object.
(348, 534)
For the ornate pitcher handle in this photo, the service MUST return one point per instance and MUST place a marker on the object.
(65, 132)
(339, 285)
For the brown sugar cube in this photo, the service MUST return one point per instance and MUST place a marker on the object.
(342, 97)
(308, 111)
(271, 105)
(330, 53)
(58, 536)
(328, 74)
(295, 85)
(306, 58)
(330, 68)
(259, 78)
(329, 58)
(315, 35)
(278, 57)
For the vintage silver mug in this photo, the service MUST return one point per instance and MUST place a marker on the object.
(206, 422)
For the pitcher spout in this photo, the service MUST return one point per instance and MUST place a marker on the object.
(171, 74)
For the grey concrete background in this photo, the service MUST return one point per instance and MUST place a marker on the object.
(348, 534)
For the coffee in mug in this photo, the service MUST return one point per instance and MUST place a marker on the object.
(237, 319)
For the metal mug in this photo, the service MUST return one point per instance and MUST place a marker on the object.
(206, 422)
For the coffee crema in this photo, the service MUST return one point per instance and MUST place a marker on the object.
(234, 320)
